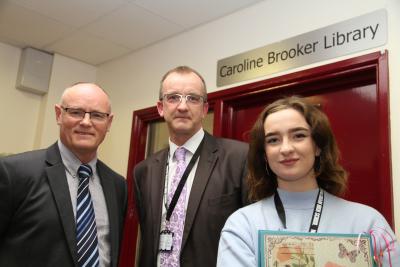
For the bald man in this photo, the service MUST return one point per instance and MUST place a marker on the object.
(39, 192)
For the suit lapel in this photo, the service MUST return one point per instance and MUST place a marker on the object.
(59, 187)
(208, 158)
(112, 209)
(157, 182)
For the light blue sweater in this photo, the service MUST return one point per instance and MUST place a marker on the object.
(238, 244)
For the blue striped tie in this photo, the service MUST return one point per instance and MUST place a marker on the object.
(86, 232)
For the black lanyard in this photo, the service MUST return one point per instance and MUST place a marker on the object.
(319, 203)
(182, 182)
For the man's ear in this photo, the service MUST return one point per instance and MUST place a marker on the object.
(58, 110)
(160, 108)
(110, 119)
(205, 109)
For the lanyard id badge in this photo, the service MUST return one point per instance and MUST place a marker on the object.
(166, 235)
(166, 240)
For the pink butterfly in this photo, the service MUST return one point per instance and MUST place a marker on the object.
(344, 253)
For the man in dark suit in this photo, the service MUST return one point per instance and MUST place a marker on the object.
(38, 192)
(214, 187)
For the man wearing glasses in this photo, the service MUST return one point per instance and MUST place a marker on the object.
(185, 193)
(61, 206)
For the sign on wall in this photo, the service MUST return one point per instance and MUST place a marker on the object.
(350, 36)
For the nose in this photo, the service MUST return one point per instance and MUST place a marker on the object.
(287, 146)
(86, 119)
(182, 104)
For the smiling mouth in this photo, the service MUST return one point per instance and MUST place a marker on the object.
(288, 162)
(83, 133)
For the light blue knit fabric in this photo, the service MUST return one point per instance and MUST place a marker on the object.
(238, 245)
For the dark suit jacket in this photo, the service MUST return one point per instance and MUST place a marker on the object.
(218, 190)
(37, 225)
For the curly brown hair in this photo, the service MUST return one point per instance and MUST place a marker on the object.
(330, 174)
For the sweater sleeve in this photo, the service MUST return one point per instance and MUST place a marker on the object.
(385, 243)
(236, 244)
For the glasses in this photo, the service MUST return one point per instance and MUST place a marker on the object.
(80, 114)
(190, 99)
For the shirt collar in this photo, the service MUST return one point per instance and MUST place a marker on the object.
(71, 162)
(191, 145)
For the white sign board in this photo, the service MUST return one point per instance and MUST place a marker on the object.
(350, 36)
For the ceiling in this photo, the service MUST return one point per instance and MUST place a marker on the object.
(96, 31)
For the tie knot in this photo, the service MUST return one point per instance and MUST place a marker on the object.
(85, 171)
(180, 154)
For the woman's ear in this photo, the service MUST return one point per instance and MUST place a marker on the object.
(317, 152)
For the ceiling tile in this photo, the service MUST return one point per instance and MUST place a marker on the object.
(95, 31)
(72, 12)
(190, 13)
(22, 27)
(133, 27)
(87, 48)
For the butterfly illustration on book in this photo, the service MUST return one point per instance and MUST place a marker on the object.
(349, 254)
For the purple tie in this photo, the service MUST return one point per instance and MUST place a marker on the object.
(177, 220)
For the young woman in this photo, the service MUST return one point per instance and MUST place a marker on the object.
(293, 159)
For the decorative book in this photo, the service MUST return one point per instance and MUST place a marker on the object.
(292, 249)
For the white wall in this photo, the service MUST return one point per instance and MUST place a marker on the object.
(28, 120)
(394, 85)
(133, 81)
(19, 110)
